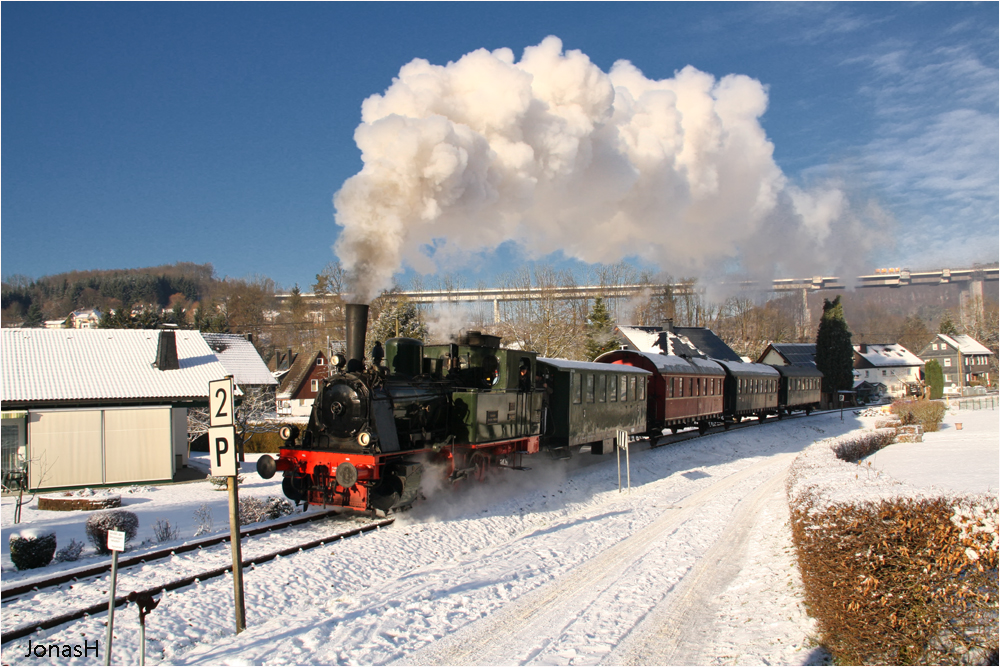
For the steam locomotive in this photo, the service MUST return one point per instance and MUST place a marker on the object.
(458, 410)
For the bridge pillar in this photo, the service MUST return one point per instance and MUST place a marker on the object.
(496, 311)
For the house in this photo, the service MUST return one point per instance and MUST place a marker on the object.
(677, 341)
(789, 354)
(892, 365)
(964, 361)
(92, 407)
(300, 385)
(85, 319)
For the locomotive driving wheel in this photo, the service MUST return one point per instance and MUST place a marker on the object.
(481, 463)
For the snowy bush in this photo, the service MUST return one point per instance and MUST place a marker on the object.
(254, 509)
(70, 552)
(164, 532)
(855, 446)
(100, 523)
(30, 549)
(203, 518)
(892, 574)
(926, 413)
(221, 483)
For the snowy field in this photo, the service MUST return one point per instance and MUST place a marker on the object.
(547, 566)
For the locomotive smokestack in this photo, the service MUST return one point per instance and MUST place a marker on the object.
(355, 331)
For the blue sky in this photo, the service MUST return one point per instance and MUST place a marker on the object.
(137, 134)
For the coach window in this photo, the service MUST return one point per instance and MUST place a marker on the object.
(624, 391)
(642, 389)
(613, 389)
(590, 387)
(602, 388)
(577, 388)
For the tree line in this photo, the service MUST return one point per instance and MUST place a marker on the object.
(191, 296)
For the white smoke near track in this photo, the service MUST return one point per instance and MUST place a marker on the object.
(556, 155)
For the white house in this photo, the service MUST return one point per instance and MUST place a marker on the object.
(891, 365)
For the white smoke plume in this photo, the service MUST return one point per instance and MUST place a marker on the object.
(446, 320)
(555, 154)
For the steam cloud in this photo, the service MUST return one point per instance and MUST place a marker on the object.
(555, 154)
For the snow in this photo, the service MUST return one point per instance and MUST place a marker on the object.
(548, 566)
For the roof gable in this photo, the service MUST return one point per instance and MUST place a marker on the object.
(298, 374)
(240, 359)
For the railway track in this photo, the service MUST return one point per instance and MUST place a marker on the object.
(28, 628)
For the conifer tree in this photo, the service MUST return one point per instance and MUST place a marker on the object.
(600, 331)
(834, 353)
(934, 377)
(947, 326)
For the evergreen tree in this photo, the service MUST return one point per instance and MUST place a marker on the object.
(600, 331)
(34, 317)
(934, 377)
(947, 326)
(399, 319)
(834, 353)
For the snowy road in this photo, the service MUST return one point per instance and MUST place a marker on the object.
(549, 566)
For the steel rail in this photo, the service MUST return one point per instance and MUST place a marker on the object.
(29, 628)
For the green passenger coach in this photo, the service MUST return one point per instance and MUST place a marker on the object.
(587, 403)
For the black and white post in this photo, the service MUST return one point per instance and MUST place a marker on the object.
(222, 448)
(621, 442)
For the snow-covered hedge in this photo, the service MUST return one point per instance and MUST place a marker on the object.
(254, 509)
(32, 548)
(99, 523)
(892, 574)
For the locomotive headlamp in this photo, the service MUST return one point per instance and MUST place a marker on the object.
(288, 433)
(364, 438)
(338, 360)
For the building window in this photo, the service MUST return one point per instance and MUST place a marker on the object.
(947, 362)
(319, 361)
(314, 386)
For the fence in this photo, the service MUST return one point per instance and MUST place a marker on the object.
(978, 403)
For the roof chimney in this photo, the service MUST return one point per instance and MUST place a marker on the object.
(668, 324)
(166, 352)
(864, 348)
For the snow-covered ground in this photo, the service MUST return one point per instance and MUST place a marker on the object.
(547, 566)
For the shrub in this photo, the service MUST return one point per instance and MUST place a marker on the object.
(70, 552)
(901, 581)
(221, 483)
(926, 413)
(263, 443)
(854, 447)
(31, 549)
(100, 523)
(254, 509)
(164, 532)
(203, 517)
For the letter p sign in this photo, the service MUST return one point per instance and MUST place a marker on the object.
(222, 447)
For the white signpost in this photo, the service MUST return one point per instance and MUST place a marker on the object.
(222, 448)
(116, 543)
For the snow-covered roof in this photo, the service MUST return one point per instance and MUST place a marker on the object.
(240, 358)
(69, 365)
(566, 364)
(657, 341)
(888, 355)
(965, 344)
(665, 363)
(741, 368)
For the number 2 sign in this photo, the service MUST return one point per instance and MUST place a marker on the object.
(220, 402)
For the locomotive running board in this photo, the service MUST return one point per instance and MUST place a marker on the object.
(499, 465)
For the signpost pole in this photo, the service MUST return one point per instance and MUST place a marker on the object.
(116, 543)
(234, 533)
